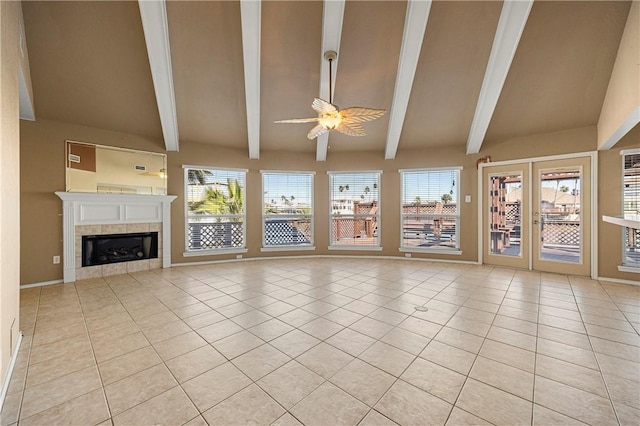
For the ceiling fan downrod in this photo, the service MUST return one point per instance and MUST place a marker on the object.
(330, 55)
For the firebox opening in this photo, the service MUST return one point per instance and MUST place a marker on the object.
(114, 248)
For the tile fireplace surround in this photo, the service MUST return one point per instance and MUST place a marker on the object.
(89, 214)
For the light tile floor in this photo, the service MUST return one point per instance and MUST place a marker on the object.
(328, 342)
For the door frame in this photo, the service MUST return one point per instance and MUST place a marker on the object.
(593, 163)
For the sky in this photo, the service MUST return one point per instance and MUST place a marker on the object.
(428, 186)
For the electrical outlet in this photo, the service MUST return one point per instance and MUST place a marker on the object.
(407, 255)
(238, 256)
(56, 260)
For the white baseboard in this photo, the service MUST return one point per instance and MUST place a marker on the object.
(41, 284)
(7, 377)
(324, 256)
(619, 281)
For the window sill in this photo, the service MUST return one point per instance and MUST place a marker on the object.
(454, 252)
(214, 252)
(288, 248)
(632, 269)
(363, 248)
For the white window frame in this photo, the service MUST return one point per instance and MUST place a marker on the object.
(625, 267)
(441, 250)
(288, 247)
(216, 251)
(378, 246)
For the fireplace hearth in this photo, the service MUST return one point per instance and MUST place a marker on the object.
(115, 248)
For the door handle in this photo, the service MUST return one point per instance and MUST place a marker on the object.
(535, 222)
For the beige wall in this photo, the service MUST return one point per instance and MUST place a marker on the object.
(610, 204)
(555, 143)
(9, 184)
(623, 92)
(42, 173)
(41, 209)
(206, 155)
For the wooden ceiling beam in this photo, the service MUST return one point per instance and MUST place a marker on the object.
(156, 34)
(250, 12)
(332, 17)
(513, 19)
(415, 25)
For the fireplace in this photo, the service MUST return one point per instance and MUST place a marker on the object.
(116, 248)
(96, 215)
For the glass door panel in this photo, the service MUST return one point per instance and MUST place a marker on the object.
(505, 206)
(562, 216)
(559, 214)
(505, 190)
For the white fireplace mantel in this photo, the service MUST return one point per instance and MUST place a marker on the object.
(79, 208)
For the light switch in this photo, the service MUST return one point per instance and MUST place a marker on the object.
(467, 198)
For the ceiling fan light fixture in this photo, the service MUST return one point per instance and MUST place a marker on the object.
(330, 121)
(330, 117)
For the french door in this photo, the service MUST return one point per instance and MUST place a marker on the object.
(537, 215)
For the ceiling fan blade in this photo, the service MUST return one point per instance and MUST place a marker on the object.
(298, 120)
(317, 131)
(361, 114)
(323, 107)
(351, 129)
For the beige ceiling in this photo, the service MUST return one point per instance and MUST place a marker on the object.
(90, 66)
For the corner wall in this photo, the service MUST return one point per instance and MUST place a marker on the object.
(621, 106)
(9, 183)
(610, 204)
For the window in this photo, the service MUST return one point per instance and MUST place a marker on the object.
(215, 209)
(631, 206)
(287, 209)
(430, 211)
(355, 210)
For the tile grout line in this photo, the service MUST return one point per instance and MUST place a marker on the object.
(606, 386)
(162, 361)
(467, 376)
(147, 289)
(26, 373)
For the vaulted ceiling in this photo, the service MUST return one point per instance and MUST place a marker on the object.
(449, 73)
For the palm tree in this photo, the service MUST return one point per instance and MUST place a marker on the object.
(216, 201)
(235, 200)
(198, 177)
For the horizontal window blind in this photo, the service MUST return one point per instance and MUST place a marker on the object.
(429, 210)
(287, 192)
(215, 206)
(631, 208)
(355, 209)
(347, 188)
(430, 186)
(287, 200)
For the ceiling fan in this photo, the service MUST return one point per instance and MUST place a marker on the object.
(330, 117)
(160, 173)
